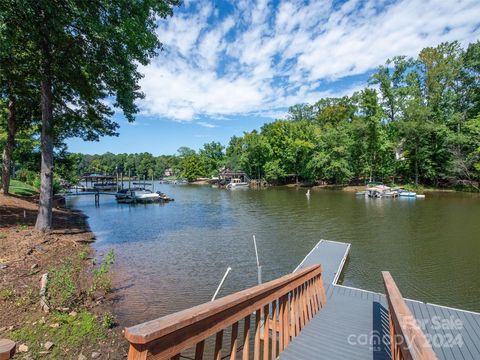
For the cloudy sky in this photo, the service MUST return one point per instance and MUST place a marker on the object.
(228, 66)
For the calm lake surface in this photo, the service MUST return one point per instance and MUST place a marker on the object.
(171, 257)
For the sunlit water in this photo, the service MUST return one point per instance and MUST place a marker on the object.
(171, 257)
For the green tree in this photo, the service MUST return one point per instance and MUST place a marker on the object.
(193, 167)
(185, 151)
(370, 146)
(332, 161)
(300, 149)
(18, 99)
(274, 170)
(213, 155)
(233, 153)
(301, 112)
(391, 81)
(332, 111)
(82, 53)
(255, 153)
(146, 165)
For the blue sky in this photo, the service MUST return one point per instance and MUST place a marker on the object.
(228, 66)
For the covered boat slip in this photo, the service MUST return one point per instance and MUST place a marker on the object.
(354, 323)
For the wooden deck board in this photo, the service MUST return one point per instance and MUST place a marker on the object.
(343, 329)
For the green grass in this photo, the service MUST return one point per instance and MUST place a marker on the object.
(21, 188)
(62, 288)
(7, 294)
(171, 178)
(67, 332)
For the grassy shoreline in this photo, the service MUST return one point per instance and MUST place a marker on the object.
(20, 188)
(79, 287)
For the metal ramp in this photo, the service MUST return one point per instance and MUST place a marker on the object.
(354, 322)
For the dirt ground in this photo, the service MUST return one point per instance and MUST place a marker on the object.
(26, 254)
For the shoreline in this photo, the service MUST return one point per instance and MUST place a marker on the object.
(349, 188)
(76, 302)
(355, 188)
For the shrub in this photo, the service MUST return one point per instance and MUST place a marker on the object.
(101, 275)
(26, 176)
(62, 288)
(419, 189)
(6, 294)
(56, 183)
(108, 321)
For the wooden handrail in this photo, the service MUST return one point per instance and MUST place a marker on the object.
(291, 301)
(407, 340)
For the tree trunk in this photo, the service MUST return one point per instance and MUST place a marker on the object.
(416, 165)
(9, 146)
(371, 170)
(44, 218)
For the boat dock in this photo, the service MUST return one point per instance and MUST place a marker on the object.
(307, 315)
(353, 324)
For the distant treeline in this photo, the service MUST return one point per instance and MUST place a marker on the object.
(418, 121)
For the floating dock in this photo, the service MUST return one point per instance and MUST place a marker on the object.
(353, 324)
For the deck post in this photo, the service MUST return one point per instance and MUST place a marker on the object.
(7, 349)
(137, 352)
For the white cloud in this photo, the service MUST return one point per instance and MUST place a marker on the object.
(260, 59)
(206, 124)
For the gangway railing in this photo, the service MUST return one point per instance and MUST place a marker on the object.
(279, 310)
(407, 340)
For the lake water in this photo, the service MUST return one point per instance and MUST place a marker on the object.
(171, 257)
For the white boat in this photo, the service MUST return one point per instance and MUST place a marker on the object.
(145, 195)
(126, 193)
(377, 191)
(390, 194)
(236, 184)
(404, 193)
(137, 195)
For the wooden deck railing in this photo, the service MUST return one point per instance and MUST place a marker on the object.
(407, 340)
(280, 308)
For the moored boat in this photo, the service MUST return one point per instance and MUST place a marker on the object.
(405, 193)
(164, 197)
(236, 184)
(140, 195)
(378, 191)
(126, 193)
(392, 193)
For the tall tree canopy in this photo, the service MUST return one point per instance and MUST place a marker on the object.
(82, 55)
